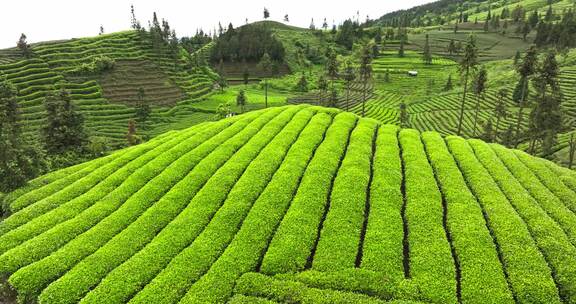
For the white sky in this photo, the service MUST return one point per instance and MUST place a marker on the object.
(43, 20)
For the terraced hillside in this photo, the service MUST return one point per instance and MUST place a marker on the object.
(107, 99)
(296, 204)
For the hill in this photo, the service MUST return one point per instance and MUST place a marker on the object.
(107, 98)
(296, 204)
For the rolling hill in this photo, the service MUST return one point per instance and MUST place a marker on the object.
(107, 99)
(296, 204)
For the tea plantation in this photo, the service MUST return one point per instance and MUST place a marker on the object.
(296, 204)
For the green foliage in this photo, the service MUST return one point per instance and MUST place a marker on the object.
(64, 128)
(249, 42)
(98, 65)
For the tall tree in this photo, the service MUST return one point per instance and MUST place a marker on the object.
(134, 23)
(500, 111)
(467, 67)
(349, 76)
(427, 54)
(546, 116)
(323, 87)
(401, 48)
(19, 161)
(449, 86)
(266, 14)
(571, 150)
(266, 66)
(23, 46)
(142, 111)
(241, 100)
(526, 69)
(64, 129)
(365, 70)
(131, 136)
(286, 19)
(404, 116)
(479, 89)
(332, 66)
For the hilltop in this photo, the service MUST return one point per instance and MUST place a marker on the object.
(296, 203)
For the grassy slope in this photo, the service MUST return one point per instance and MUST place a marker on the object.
(297, 203)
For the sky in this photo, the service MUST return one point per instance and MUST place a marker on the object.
(43, 20)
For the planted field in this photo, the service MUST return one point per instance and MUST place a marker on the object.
(107, 99)
(296, 204)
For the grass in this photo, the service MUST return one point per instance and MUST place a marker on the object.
(296, 203)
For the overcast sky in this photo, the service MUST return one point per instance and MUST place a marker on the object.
(43, 20)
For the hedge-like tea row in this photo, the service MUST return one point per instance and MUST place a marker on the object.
(383, 243)
(70, 201)
(78, 281)
(341, 231)
(550, 180)
(542, 194)
(292, 244)
(549, 236)
(133, 193)
(239, 172)
(251, 241)
(259, 285)
(431, 263)
(529, 275)
(474, 247)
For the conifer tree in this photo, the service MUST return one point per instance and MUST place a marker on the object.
(64, 129)
(526, 69)
(427, 54)
(302, 85)
(23, 46)
(500, 111)
(266, 66)
(479, 89)
(349, 76)
(131, 136)
(467, 67)
(143, 110)
(323, 87)
(401, 49)
(449, 86)
(546, 116)
(404, 116)
(571, 150)
(266, 14)
(365, 70)
(241, 100)
(19, 160)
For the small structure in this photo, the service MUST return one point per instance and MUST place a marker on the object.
(412, 73)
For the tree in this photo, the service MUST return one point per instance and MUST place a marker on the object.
(479, 88)
(332, 66)
(265, 65)
(365, 70)
(404, 116)
(101, 32)
(452, 47)
(549, 14)
(427, 54)
(302, 85)
(500, 111)
(223, 110)
(143, 110)
(64, 128)
(131, 136)
(546, 116)
(134, 23)
(387, 76)
(323, 87)
(325, 25)
(456, 27)
(241, 100)
(222, 82)
(449, 86)
(571, 150)
(488, 132)
(525, 30)
(266, 14)
(401, 49)
(526, 69)
(486, 26)
(246, 75)
(468, 65)
(349, 76)
(19, 161)
(23, 46)
(312, 25)
(286, 19)
(517, 58)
